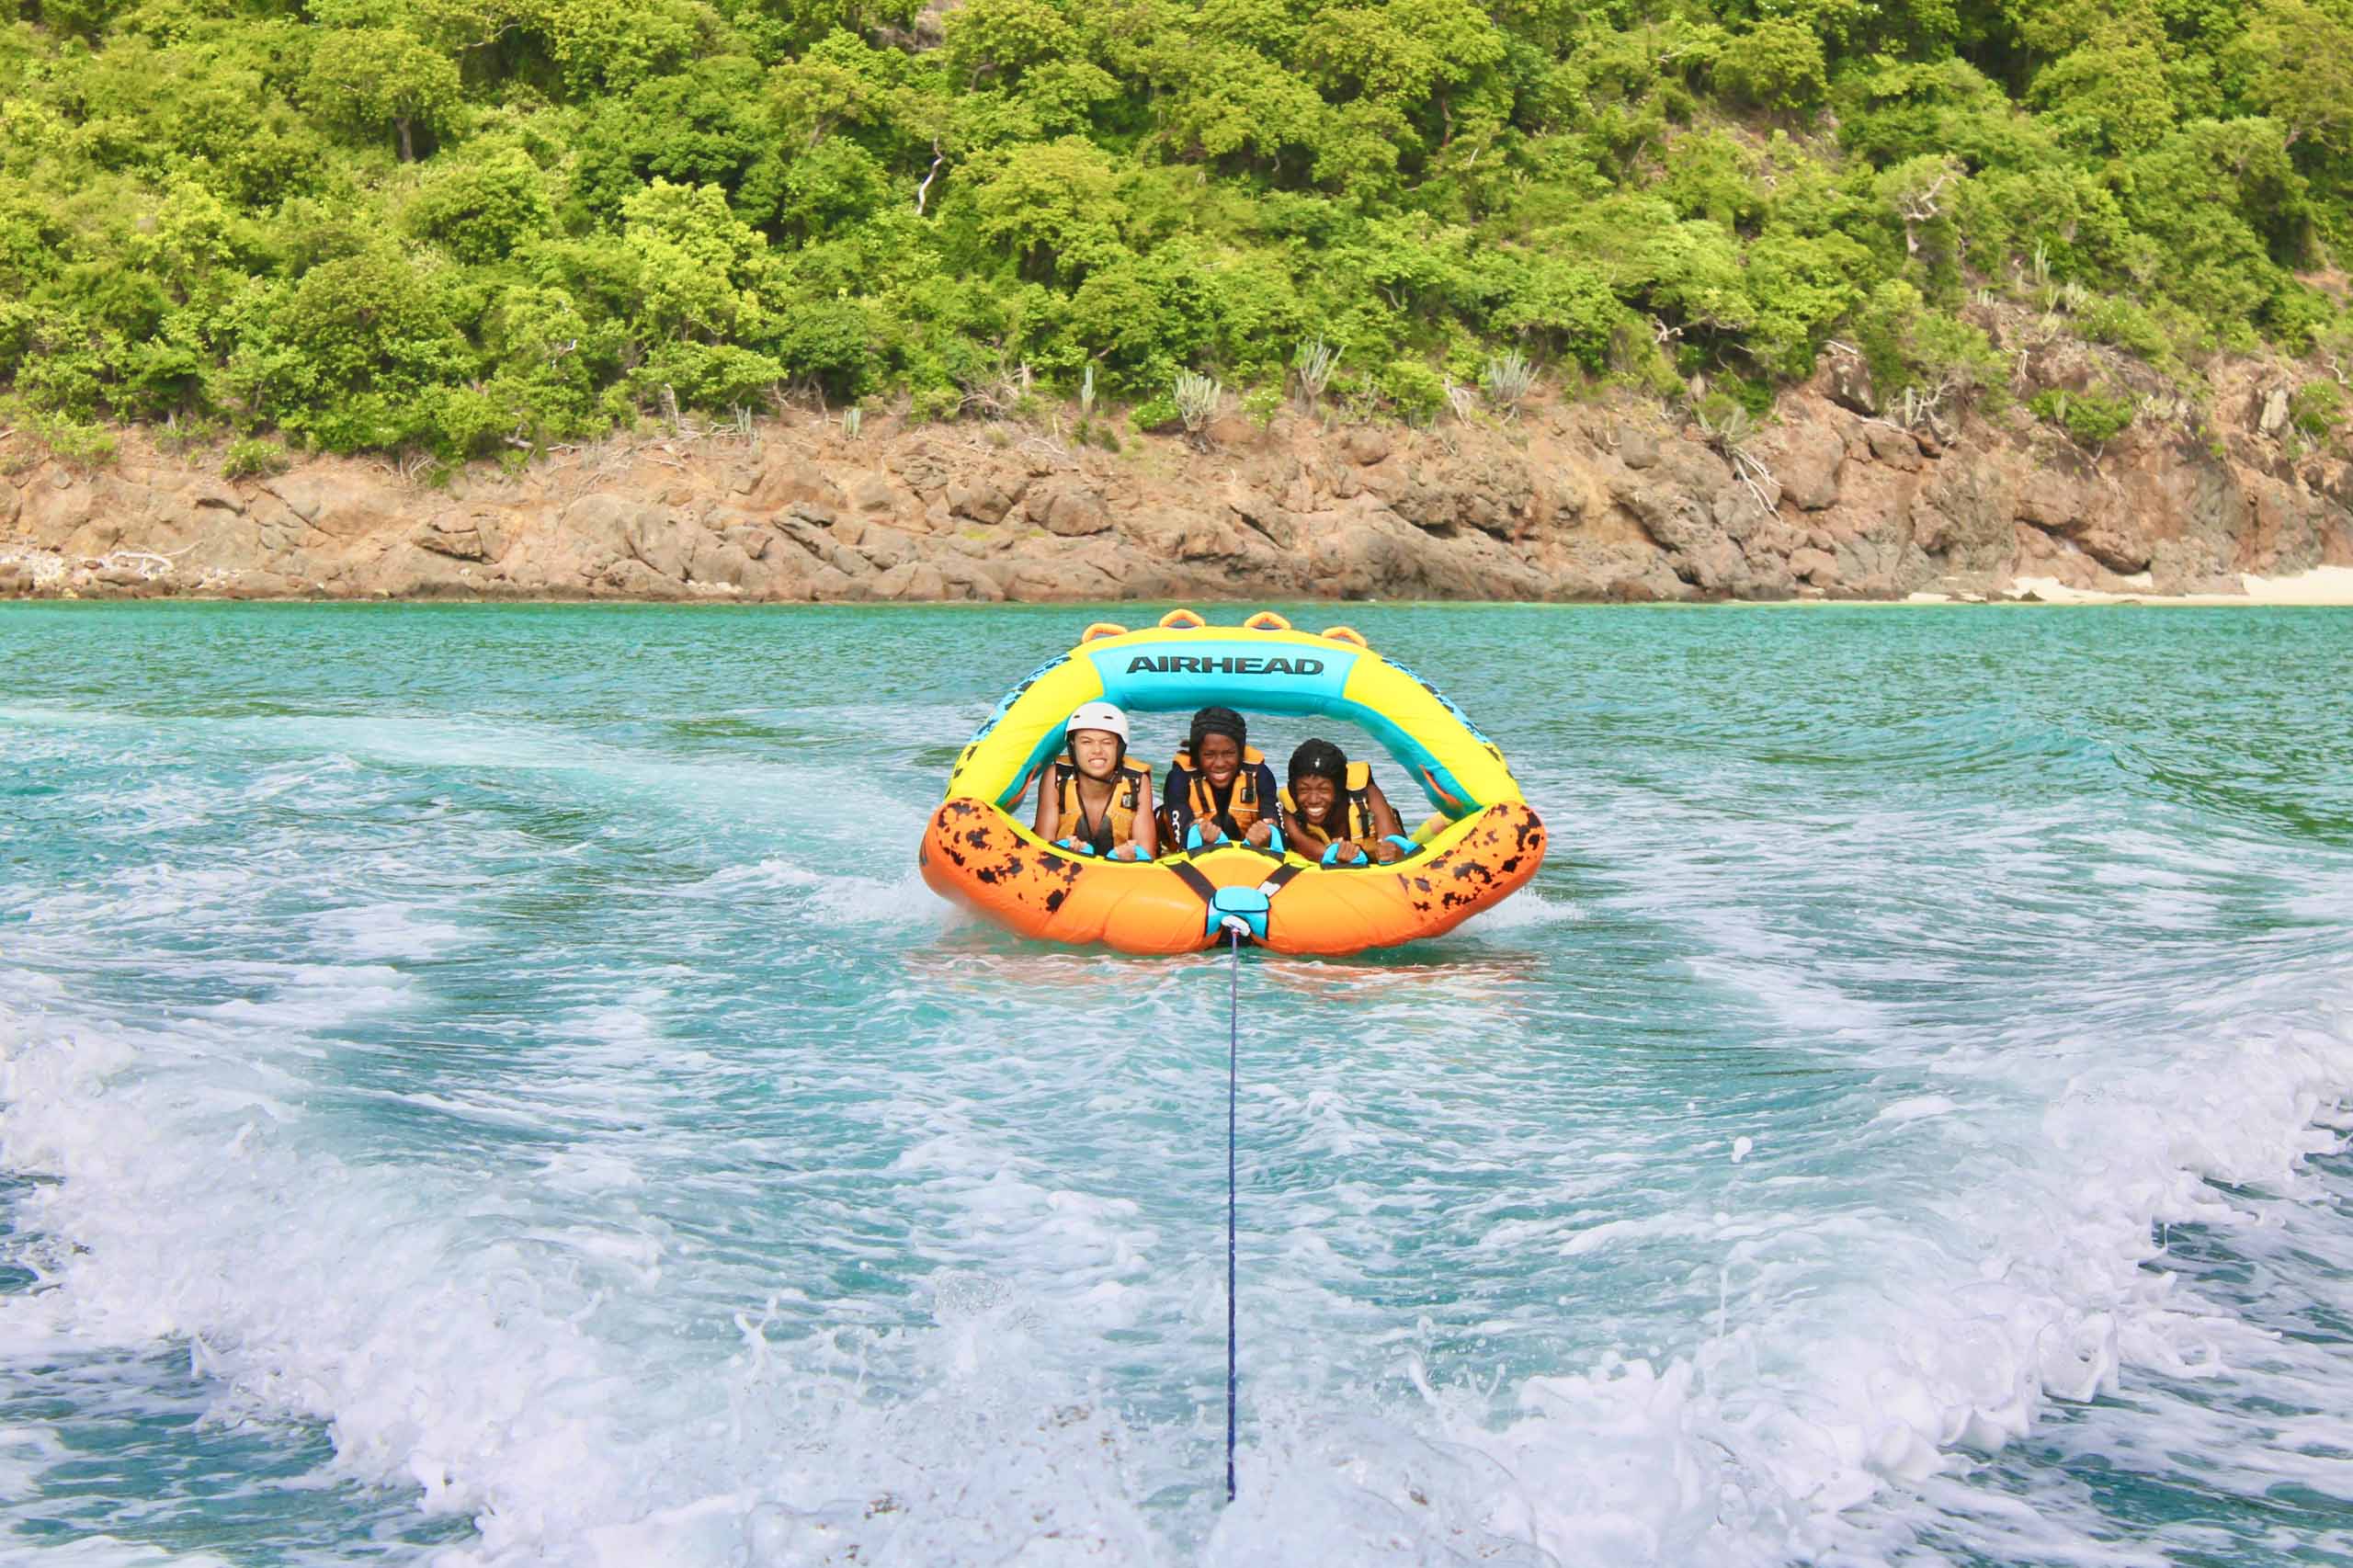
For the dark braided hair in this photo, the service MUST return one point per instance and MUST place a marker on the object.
(1320, 758)
(1217, 721)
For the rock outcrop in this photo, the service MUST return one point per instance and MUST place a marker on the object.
(1581, 502)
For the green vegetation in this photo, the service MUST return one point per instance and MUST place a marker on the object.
(253, 458)
(2088, 418)
(2316, 409)
(477, 226)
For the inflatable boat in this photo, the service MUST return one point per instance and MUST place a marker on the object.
(1483, 843)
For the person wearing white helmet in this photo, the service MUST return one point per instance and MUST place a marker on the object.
(1093, 798)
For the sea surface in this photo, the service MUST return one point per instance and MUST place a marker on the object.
(487, 1085)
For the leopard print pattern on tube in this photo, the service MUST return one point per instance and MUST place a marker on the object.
(1004, 870)
(971, 850)
(1496, 856)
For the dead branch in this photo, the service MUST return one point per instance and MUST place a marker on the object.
(923, 191)
(1748, 470)
(1919, 207)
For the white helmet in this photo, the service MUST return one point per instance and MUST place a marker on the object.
(1099, 716)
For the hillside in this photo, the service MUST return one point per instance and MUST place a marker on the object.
(471, 228)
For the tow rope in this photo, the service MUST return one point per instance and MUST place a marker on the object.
(1236, 930)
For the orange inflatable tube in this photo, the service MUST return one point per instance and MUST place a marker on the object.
(1485, 844)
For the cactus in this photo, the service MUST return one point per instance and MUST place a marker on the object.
(1314, 363)
(1196, 399)
(1508, 379)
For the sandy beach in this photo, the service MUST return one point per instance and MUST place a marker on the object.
(2322, 585)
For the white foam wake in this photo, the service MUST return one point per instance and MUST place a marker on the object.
(543, 1356)
(406, 1313)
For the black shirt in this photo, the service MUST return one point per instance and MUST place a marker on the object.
(1176, 801)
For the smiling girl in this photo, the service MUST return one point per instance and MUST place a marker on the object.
(1220, 785)
(1333, 812)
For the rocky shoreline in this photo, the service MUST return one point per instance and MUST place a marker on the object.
(1586, 501)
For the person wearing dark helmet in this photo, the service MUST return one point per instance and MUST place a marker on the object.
(1335, 813)
(1218, 788)
(1094, 800)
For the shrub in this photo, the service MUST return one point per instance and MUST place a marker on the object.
(832, 344)
(2316, 408)
(934, 404)
(715, 376)
(1413, 389)
(1570, 304)
(74, 442)
(1754, 394)
(1154, 414)
(1906, 345)
(458, 423)
(253, 458)
(364, 324)
(2127, 324)
(2298, 315)
(2090, 418)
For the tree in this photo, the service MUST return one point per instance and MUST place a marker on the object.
(2222, 207)
(1412, 56)
(700, 263)
(1053, 205)
(1567, 306)
(2300, 72)
(2111, 93)
(1775, 64)
(997, 40)
(618, 43)
(368, 77)
(1229, 100)
(482, 211)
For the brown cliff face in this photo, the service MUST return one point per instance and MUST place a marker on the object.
(1576, 501)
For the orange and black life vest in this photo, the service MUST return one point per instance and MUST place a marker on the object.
(1131, 793)
(1243, 810)
(1355, 806)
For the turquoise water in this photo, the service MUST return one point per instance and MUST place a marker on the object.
(486, 1086)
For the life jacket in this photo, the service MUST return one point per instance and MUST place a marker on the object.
(1131, 792)
(1355, 806)
(1244, 809)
